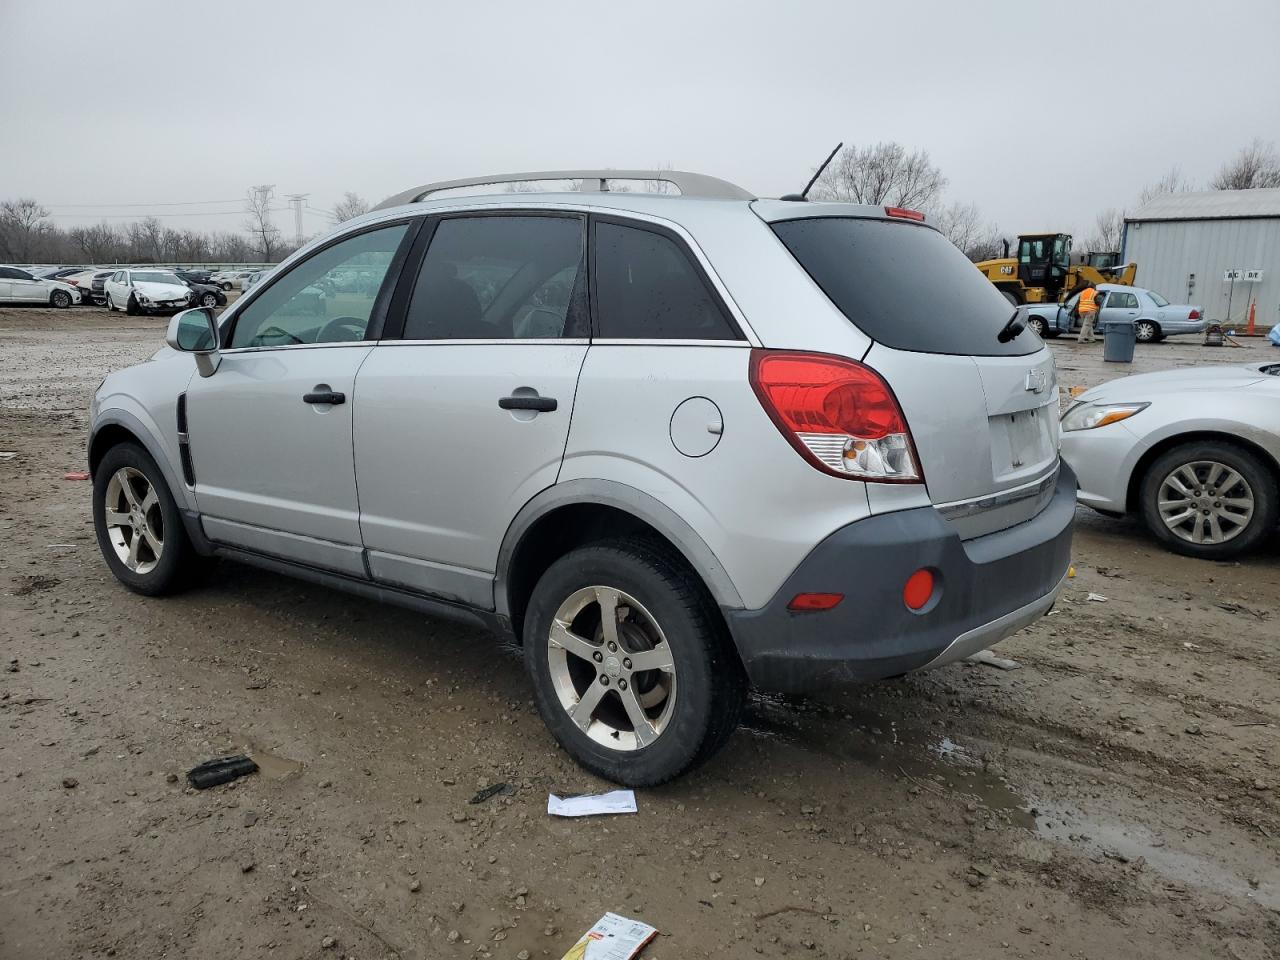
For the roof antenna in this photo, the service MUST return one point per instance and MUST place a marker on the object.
(804, 194)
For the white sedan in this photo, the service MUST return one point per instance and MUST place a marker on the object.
(146, 290)
(21, 286)
(1195, 453)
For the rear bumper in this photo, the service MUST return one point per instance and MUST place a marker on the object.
(987, 588)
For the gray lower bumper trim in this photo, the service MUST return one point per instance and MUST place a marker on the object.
(979, 638)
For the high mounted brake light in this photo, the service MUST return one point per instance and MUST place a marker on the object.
(904, 214)
(840, 415)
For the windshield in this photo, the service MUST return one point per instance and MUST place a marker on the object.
(903, 285)
(1160, 301)
(154, 276)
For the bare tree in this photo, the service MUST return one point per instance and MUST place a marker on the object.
(884, 173)
(263, 231)
(21, 228)
(349, 207)
(1108, 231)
(990, 245)
(1171, 182)
(1255, 167)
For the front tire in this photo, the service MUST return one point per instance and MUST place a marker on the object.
(1209, 499)
(208, 300)
(131, 306)
(138, 524)
(60, 299)
(1147, 331)
(633, 670)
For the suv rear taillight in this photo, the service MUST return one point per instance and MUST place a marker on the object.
(840, 415)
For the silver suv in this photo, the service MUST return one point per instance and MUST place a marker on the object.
(678, 446)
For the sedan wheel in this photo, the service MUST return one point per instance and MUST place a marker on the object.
(60, 299)
(1206, 502)
(1037, 325)
(1210, 499)
(134, 521)
(208, 300)
(1146, 331)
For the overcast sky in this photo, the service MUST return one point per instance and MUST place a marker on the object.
(1040, 113)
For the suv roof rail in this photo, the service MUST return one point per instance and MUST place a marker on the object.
(593, 181)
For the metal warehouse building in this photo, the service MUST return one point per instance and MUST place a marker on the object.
(1219, 249)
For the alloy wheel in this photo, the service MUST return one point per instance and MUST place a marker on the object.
(1146, 332)
(1205, 501)
(612, 668)
(134, 520)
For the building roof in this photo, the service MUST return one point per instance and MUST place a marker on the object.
(1210, 205)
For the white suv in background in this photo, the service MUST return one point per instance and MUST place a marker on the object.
(676, 446)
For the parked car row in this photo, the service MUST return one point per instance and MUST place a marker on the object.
(135, 290)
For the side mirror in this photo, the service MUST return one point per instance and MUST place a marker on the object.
(195, 331)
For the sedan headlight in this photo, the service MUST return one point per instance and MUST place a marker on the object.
(142, 298)
(1088, 416)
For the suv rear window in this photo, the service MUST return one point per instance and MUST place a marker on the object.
(903, 285)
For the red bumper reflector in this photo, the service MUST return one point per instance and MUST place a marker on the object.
(918, 589)
(814, 601)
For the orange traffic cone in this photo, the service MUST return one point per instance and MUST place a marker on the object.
(1253, 310)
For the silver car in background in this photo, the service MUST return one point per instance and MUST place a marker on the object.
(1195, 453)
(1153, 316)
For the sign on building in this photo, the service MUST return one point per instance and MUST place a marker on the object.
(1232, 275)
(1253, 276)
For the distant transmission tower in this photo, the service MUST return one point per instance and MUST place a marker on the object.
(297, 200)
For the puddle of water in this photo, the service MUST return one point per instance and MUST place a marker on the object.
(270, 765)
(927, 755)
(1131, 841)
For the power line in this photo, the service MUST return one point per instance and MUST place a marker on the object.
(159, 203)
(136, 216)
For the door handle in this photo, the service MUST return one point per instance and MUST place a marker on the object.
(540, 404)
(325, 396)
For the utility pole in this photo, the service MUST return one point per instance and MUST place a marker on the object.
(297, 200)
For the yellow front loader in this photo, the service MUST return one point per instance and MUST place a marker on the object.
(1042, 272)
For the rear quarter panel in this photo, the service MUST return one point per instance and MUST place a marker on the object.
(753, 500)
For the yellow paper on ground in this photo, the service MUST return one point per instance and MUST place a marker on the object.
(612, 938)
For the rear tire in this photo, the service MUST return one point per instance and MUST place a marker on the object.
(1147, 331)
(60, 299)
(1036, 324)
(1241, 512)
(688, 705)
(138, 524)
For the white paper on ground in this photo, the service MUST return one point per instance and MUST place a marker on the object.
(616, 801)
(613, 937)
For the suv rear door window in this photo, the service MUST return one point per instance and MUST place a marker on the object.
(648, 289)
(903, 285)
(501, 278)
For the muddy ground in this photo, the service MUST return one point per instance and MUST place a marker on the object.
(1116, 796)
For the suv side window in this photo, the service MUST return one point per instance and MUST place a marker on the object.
(314, 302)
(646, 288)
(501, 278)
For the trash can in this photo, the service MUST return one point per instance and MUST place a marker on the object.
(1119, 336)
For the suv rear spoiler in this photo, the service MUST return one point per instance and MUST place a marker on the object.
(593, 181)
